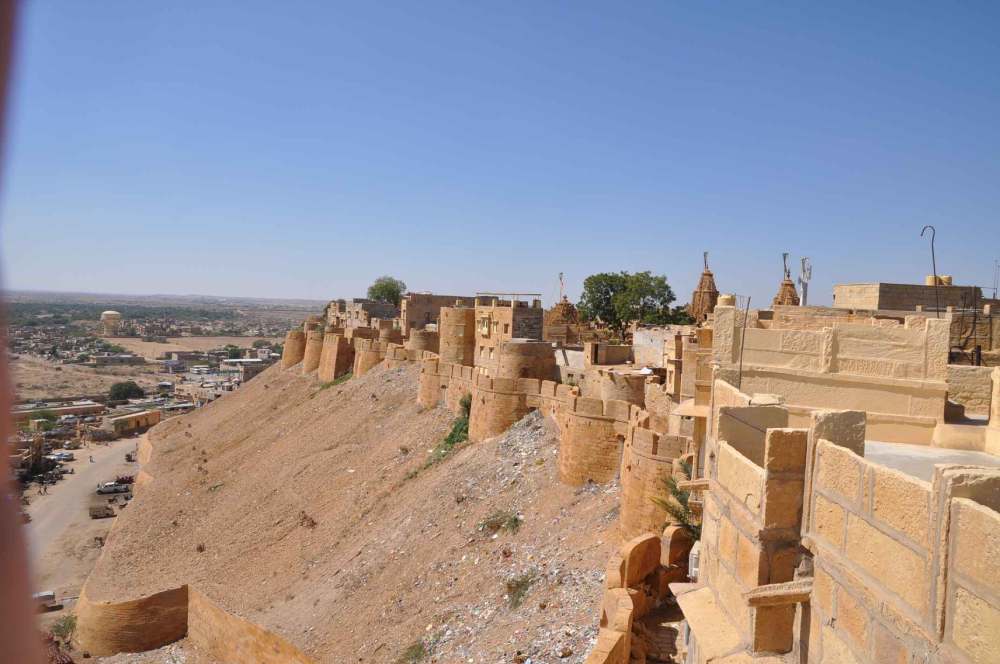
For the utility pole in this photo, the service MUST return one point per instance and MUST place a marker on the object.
(805, 274)
(561, 287)
(996, 277)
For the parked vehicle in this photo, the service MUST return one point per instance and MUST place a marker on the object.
(112, 487)
(101, 511)
(130, 456)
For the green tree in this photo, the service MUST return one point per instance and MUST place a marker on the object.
(387, 289)
(233, 352)
(125, 390)
(260, 343)
(676, 503)
(618, 298)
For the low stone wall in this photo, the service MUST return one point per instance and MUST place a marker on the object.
(145, 623)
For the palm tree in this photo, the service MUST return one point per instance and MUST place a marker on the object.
(676, 503)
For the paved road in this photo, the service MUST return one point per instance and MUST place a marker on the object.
(60, 524)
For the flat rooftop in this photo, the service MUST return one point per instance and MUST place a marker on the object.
(919, 460)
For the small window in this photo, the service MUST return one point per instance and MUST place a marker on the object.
(506, 328)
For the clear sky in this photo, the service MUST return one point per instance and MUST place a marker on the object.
(294, 149)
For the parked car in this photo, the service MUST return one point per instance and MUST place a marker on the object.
(112, 487)
(101, 511)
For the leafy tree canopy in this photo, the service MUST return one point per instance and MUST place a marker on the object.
(387, 289)
(126, 390)
(618, 298)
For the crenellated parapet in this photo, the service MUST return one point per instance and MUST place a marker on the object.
(592, 431)
(444, 382)
(368, 354)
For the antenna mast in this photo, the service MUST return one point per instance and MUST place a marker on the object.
(561, 287)
(805, 274)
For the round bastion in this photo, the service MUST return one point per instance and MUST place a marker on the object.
(526, 358)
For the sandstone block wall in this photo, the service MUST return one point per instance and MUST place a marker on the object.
(903, 296)
(971, 387)
(902, 566)
(752, 518)
(972, 623)
(896, 374)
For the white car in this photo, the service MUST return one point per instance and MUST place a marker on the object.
(112, 487)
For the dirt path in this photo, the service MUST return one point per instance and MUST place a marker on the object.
(61, 533)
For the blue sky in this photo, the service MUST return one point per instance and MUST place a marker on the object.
(301, 149)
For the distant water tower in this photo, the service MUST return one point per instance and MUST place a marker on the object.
(110, 320)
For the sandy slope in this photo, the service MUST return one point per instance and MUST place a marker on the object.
(311, 526)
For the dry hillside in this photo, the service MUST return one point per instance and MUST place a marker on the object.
(152, 350)
(36, 378)
(299, 508)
